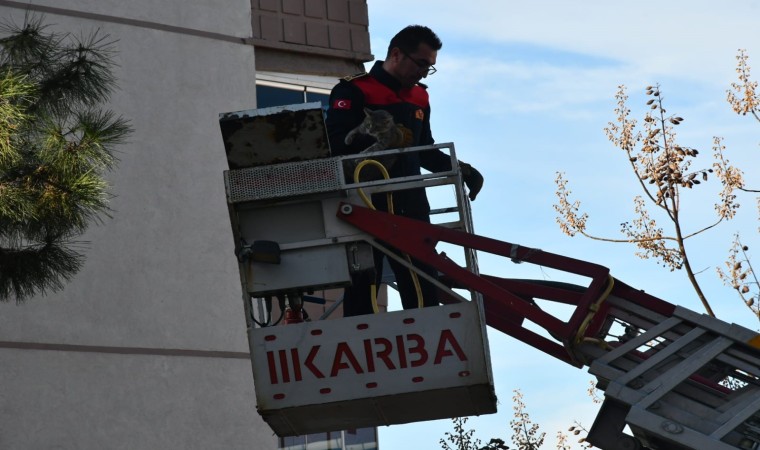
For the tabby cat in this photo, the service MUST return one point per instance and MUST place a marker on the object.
(380, 125)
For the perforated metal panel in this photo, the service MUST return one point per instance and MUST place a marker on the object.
(283, 180)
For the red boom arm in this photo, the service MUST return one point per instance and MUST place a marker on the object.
(507, 302)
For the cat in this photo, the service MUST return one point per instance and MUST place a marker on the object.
(380, 125)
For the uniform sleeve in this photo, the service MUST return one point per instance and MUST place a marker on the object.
(432, 160)
(344, 113)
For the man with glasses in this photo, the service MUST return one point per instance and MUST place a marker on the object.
(394, 85)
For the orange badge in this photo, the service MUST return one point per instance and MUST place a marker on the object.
(419, 114)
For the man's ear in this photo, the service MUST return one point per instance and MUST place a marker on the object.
(396, 54)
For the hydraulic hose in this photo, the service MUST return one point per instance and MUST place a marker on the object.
(368, 202)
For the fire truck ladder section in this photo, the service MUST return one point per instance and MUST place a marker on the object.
(676, 378)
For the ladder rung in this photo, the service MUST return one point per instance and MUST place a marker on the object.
(450, 209)
(685, 436)
(675, 375)
(457, 225)
(661, 355)
(737, 415)
(640, 340)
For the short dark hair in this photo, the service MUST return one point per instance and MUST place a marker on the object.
(412, 36)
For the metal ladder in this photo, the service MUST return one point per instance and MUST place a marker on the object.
(678, 379)
(687, 381)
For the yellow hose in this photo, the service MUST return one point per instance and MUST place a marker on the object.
(593, 308)
(368, 202)
(384, 171)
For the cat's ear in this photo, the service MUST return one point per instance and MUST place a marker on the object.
(367, 111)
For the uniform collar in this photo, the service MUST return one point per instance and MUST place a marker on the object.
(384, 77)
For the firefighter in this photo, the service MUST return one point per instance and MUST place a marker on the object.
(394, 85)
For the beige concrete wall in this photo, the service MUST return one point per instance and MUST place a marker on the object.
(161, 274)
(232, 17)
(53, 400)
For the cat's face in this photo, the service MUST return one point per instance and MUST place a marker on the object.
(378, 120)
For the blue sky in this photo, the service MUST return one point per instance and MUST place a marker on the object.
(525, 89)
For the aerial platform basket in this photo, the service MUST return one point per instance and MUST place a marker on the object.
(380, 369)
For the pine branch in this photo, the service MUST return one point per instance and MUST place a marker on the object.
(35, 268)
(82, 77)
(56, 145)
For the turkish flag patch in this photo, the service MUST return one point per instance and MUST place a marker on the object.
(341, 104)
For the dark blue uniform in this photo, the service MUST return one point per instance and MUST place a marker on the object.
(409, 107)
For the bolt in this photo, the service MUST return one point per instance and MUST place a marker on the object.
(671, 427)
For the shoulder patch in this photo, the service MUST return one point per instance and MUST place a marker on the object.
(355, 76)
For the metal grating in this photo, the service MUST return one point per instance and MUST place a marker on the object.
(283, 180)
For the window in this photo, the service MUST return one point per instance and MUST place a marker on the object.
(360, 439)
(267, 96)
(284, 89)
(357, 439)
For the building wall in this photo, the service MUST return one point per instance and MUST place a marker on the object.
(146, 348)
(335, 32)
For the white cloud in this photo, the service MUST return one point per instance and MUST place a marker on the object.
(692, 39)
(528, 88)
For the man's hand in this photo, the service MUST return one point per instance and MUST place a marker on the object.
(472, 178)
(405, 137)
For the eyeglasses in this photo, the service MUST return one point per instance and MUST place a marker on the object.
(423, 65)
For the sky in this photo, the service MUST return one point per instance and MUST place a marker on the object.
(524, 90)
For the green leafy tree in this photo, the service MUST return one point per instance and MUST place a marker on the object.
(56, 144)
